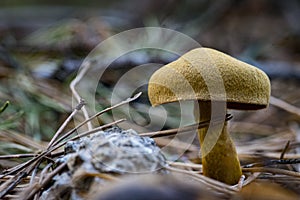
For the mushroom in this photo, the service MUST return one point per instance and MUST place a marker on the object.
(214, 81)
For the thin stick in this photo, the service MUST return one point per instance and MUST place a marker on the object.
(17, 156)
(285, 106)
(62, 127)
(15, 169)
(174, 131)
(33, 190)
(272, 170)
(29, 155)
(10, 184)
(96, 115)
(188, 165)
(273, 162)
(44, 171)
(284, 150)
(184, 129)
(56, 146)
(37, 159)
(251, 178)
(241, 182)
(222, 187)
(11, 176)
(85, 67)
(30, 165)
(33, 174)
(176, 144)
(43, 174)
(100, 128)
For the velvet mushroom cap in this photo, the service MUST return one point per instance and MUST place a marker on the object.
(206, 74)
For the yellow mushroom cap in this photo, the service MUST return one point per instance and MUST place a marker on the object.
(206, 74)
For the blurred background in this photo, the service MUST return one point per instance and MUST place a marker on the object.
(42, 45)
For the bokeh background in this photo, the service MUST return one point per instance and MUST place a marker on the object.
(42, 45)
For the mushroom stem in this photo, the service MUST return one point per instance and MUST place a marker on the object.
(219, 157)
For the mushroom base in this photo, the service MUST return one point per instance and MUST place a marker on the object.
(221, 162)
(219, 157)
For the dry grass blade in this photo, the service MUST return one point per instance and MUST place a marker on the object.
(4, 106)
(9, 135)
